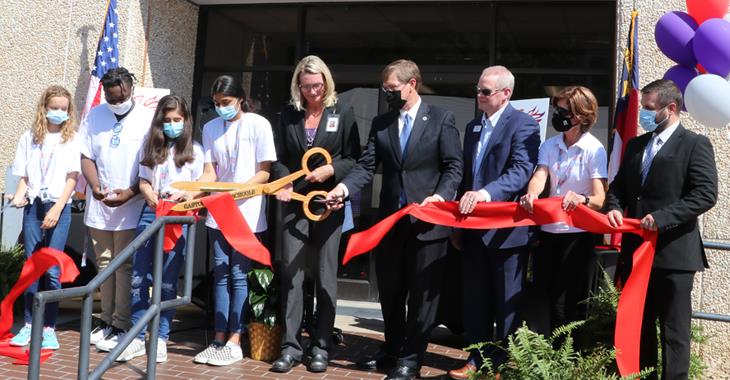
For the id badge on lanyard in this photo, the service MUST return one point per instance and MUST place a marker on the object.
(44, 193)
(232, 155)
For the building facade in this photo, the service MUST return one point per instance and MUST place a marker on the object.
(183, 45)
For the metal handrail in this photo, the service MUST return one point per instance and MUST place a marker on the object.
(718, 246)
(152, 314)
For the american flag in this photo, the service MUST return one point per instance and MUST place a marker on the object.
(106, 56)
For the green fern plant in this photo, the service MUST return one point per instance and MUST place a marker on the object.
(11, 262)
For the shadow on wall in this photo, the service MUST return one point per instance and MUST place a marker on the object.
(82, 83)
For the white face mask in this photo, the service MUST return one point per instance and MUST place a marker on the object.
(121, 108)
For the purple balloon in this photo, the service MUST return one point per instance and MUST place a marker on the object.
(681, 76)
(712, 46)
(673, 34)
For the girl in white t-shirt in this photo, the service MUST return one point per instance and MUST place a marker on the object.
(168, 155)
(47, 162)
(238, 147)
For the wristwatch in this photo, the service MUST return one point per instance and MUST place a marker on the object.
(587, 200)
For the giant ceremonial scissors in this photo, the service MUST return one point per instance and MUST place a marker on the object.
(243, 191)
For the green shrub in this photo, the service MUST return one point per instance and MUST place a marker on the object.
(11, 262)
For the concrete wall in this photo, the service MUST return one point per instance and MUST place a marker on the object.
(44, 42)
(710, 290)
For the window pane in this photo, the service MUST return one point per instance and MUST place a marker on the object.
(251, 36)
(380, 33)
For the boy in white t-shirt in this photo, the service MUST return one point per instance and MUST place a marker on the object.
(112, 135)
(238, 147)
(47, 162)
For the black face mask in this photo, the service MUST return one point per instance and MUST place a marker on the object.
(394, 100)
(561, 122)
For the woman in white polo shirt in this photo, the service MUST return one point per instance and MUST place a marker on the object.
(238, 147)
(112, 135)
(47, 163)
(574, 162)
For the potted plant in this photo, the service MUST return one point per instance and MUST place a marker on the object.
(264, 331)
(11, 262)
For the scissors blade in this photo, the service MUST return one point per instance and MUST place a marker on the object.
(208, 186)
(195, 204)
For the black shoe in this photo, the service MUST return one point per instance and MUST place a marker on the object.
(402, 372)
(379, 360)
(284, 364)
(318, 363)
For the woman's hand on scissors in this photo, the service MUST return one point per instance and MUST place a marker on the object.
(284, 194)
(335, 198)
(320, 174)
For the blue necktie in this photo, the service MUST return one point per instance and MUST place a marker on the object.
(405, 133)
(486, 132)
(651, 150)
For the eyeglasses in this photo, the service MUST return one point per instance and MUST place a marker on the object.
(310, 87)
(487, 91)
(115, 135)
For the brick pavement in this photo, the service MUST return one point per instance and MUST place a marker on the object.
(186, 341)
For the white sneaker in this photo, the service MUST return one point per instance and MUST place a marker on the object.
(161, 350)
(135, 349)
(100, 332)
(203, 356)
(226, 355)
(107, 344)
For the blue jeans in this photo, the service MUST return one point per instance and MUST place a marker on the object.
(34, 238)
(231, 286)
(142, 275)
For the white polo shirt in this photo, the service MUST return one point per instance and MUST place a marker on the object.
(46, 165)
(572, 168)
(162, 175)
(117, 167)
(237, 148)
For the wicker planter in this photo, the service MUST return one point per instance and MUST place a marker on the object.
(265, 341)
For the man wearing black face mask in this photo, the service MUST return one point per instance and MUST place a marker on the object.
(667, 178)
(418, 146)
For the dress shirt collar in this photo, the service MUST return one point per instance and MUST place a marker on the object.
(494, 119)
(667, 133)
(412, 112)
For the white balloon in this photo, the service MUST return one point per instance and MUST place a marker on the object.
(707, 98)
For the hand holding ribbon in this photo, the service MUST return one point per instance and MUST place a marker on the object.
(545, 211)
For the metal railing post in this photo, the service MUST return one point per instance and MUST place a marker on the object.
(85, 339)
(36, 336)
(154, 328)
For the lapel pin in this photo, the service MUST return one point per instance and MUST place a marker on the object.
(425, 118)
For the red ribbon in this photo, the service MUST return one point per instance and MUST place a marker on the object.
(172, 231)
(508, 214)
(35, 266)
(235, 228)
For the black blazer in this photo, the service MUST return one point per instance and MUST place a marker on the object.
(680, 186)
(433, 163)
(291, 143)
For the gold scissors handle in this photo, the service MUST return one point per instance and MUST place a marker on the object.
(242, 191)
(273, 187)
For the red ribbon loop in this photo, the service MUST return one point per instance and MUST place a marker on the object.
(546, 211)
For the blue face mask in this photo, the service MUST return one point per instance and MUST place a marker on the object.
(173, 130)
(647, 120)
(56, 117)
(227, 112)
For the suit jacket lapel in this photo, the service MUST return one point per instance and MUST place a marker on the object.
(421, 122)
(321, 133)
(497, 133)
(667, 148)
(299, 132)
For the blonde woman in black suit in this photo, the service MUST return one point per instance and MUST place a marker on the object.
(313, 118)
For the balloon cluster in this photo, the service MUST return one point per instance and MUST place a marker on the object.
(699, 41)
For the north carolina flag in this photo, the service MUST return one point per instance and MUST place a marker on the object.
(626, 117)
(107, 56)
